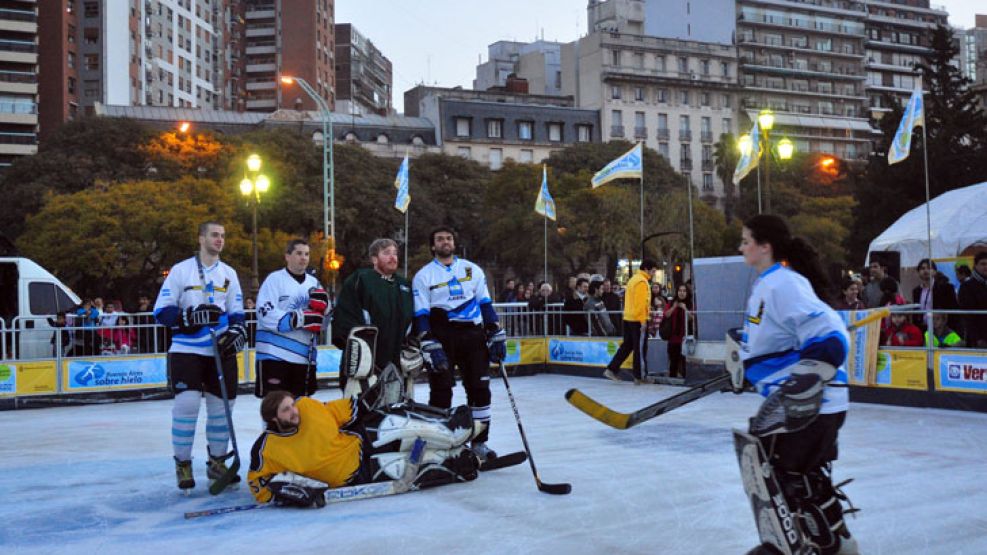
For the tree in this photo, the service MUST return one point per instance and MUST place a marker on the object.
(726, 156)
(173, 154)
(79, 155)
(956, 130)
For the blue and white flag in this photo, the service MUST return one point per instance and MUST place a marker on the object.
(544, 205)
(403, 198)
(628, 164)
(913, 117)
(748, 157)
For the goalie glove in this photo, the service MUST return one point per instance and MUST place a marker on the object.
(308, 320)
(796, 403)
(232, 341)
(293, 490)
(496, 343)
(412, 360)
(435, 356)
(194, 319)
(318, 300)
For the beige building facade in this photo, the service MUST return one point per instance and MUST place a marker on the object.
(18, 81)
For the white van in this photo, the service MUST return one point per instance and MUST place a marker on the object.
(29, 294)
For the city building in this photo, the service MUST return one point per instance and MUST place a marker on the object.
(390, 137)
(536, 62)
(58, 75)
(492, 126)
(697, 20)
(676, 96)
(973, 50)
(364, 77)
(284, 38)
(899, 34)
(18, 80)
(804, 60)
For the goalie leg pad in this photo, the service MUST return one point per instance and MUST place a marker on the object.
(820, 510)
(438, 466)
(792, 407)
(401, 424)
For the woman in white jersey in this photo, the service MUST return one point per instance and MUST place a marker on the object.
(792, 347)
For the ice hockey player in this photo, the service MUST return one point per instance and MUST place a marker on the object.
(291, 307)
(791, 348)
(310, 446)
(201, 294)
(457, 328)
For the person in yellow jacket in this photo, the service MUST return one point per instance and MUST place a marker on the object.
(637, 304)
(310, 446)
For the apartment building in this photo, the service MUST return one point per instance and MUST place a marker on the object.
(536, 62)
(18, 80)
(973, 50)
(899, 34)
(284, 38)
(676, 96)
(364, 76)
(492, 126)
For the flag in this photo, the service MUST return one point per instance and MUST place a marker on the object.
(544, 205)
(403, 198)
(913, 117)
(748, 160)
(627, 165)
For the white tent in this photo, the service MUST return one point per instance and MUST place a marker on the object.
(959, 219)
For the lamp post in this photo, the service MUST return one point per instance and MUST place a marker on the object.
(785, 148)
(328, 177)
(254, 183)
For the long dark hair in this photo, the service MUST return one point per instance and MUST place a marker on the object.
(796, 251)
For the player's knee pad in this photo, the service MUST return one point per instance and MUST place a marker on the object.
(404, 425)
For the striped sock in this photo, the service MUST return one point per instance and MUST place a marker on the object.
(183, 417)
(217, 431)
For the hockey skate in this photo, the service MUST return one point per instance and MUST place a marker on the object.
(183, 472)
(482, 452)
(216, 468)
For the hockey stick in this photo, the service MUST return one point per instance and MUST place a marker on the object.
(555, 489)
(227, 478)
(623, 420)
(347, 493)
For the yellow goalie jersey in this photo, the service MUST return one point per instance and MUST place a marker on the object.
(318, 449)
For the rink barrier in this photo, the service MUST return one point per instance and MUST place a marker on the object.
(903, 370)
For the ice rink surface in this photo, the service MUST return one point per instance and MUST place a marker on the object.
(100, 479)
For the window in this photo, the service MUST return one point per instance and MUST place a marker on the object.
(639, 126)
(91, 62)
(684, 122)
(524, 129)
(465, 152)
(684, 98)
(90, 9)
(41, 297)
(584, 133)
(615, 92)
(706, 125)
(639, 60)
(683, 64)
(704, 67)
(639, 93)
(555, 132)
(685, 157)
(663, 150)
(704, 99)
(707, 183)
(462, 127)
(727, 125)
(616, 57)
(662, 121)
(496, 158)
(660, 63)
(527, 156)
(662, 95)
(724, 69)
(727, 101)
(494, 128)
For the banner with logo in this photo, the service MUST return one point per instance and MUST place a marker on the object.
(8, 379)
(902, 369)
(961, 371)
(109, 373)
(583, 352)
(861, 364)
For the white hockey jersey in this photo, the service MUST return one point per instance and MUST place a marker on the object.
(185, 287)
(279, 295)
(459, 289)
(786, 322)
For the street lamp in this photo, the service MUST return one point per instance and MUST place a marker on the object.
(785, 148)
(328, 175)
(253, 184)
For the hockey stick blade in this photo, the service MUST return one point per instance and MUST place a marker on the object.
(219, 484)
(504, 461)
(554, 489)
(622, 420)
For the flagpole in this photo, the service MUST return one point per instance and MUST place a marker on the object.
(692, 232)
(407, 239)
(759, 188)
(545, 268)
(641, 238)
(929, 332)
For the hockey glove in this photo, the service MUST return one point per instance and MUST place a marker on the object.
(292, 490)
(194, 319)
(308, 320)
(792, 407)
(318, 300)
(435, 357)
(496, 343)
(412, 360)
(232, 341)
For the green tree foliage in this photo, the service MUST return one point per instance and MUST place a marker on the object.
(957, 149)
(80, 154)
(726, 156)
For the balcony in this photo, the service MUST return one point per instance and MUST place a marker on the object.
(662, 134)
(685, 135)
(706, 136)
(640, 132)
(18, 77)
(616, 130)
(18, 138)
(708, 166)
(685, 165)
(18, 46)
(17, 15)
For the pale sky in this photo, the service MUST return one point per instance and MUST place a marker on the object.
(438, 41)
